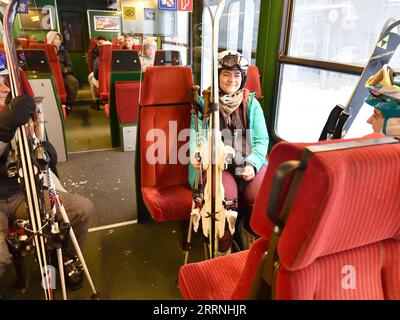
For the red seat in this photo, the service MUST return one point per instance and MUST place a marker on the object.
(253, 81)
(55, 68)
(23, 42)
(92, 46)
(341, 238)
(164, 113)
(137, 47)
(127, 101)
(105, 59)
(26, 86)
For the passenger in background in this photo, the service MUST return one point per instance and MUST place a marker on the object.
(93, 79)
(96, 51)
(244, 131)
(70, 82)
(148, 53)
(129, 42)
(385, 98)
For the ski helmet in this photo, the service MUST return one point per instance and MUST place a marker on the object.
(384, 88)
(233, 60)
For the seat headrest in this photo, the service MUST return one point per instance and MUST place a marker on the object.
(166, 86)
(105, 52)
(346, 199)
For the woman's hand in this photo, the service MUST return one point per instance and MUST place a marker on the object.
(248, 173)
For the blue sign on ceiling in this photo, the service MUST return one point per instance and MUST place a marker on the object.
(170, 5)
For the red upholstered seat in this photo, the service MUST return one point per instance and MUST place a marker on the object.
(92, 46)
(127, 100)
(55, 66)
(164, 115)
(137, 47)
(23, 42)
(27, 89)
(105, 59)
(341, 238)
(253, 81)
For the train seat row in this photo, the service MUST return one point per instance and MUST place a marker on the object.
(329, 228)
(323, 244)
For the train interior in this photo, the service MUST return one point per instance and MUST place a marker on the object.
(305, 57)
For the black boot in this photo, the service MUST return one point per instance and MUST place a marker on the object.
(73, 271)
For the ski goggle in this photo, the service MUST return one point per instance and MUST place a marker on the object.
(231, 61)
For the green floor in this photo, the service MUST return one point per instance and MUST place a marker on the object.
(134, 262)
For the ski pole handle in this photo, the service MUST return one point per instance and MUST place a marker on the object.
(194, 94)
(207, 96)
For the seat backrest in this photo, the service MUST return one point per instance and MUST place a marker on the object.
(340, 240)
(55, 68)
(23, 42)
(105, 59)
(164, 126)
(92, 46)
(127, 101)
(137, 47)
(125, 61)
(26, 86)
(167, 58)
(253, 81)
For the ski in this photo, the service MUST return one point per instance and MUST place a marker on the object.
(27, 168)
(342, 117)
(47, 231)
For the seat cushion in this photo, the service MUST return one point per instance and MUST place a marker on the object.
(213, 279)
(228, 277)
(169, 202)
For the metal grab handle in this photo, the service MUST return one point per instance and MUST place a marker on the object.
(280, 176)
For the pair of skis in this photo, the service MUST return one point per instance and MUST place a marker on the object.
(342, 117)
(32, 164)
(209, 206)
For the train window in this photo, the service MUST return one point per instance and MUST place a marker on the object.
(238, 31)
(327, 45)
(339, 31)
(180, 40)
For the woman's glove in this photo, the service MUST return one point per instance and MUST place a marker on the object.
(248, 173)
(16, 113)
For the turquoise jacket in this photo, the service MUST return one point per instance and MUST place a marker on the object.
(258, 135)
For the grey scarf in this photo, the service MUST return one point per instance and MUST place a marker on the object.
(229, 103)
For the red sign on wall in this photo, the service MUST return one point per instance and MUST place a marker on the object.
(185, 5)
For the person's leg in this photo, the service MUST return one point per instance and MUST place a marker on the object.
(231, 194)
(94, 84)
(79, 211)
(7, 210)
(5, 256)
(72, 87)
(247, 199)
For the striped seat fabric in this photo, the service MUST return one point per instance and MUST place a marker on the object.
(341, 238)
(164, 132)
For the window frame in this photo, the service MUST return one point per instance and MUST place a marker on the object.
(285, 59)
